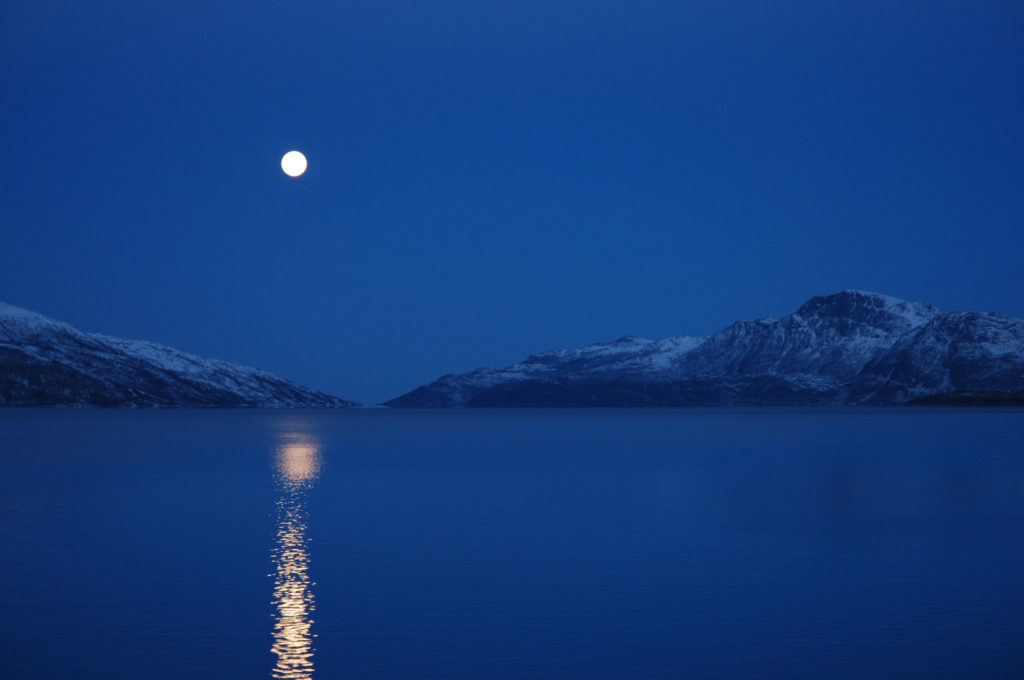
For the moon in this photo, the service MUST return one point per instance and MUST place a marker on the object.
(293, 163)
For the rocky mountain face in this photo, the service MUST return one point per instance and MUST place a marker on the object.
(961, 357)
(44, 361)
(853, 347)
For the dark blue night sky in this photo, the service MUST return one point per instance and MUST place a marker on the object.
(491, 179)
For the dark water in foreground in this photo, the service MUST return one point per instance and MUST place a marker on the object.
(512, 544)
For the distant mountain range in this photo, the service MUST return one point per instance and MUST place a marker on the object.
(850, 348)
(44, 361)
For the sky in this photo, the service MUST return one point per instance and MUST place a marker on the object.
(493, 179)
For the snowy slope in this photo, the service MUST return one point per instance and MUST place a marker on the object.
(636, 358)
(47, 361)
(964, 353)
(850, 347)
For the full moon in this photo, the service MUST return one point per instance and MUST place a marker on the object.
(293, 163)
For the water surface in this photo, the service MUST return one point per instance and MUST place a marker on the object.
(512, 544)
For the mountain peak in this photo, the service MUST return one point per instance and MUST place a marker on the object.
(867, 307)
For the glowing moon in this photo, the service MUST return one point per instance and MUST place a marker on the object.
(293, 163)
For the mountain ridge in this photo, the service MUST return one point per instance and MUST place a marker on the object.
(816, 355)
(47, 361)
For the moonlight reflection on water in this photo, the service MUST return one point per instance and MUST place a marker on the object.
(298, 465)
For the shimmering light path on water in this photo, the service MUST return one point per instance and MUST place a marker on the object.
(298, 464)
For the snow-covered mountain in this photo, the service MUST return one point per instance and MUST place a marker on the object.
(47, 361)
(853, 347)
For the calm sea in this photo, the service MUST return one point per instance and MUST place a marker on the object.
(512, 544)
